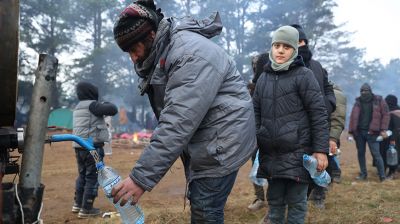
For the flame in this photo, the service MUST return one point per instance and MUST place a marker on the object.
(135, 137)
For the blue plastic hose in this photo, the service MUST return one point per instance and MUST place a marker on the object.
(86, 144)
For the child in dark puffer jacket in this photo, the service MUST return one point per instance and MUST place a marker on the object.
(291, 120)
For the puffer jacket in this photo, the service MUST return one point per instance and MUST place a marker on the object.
(88, 115)
(338, 117)
(206, 112)
(395, 127)
(326, 88)
(380, 116)
(291, 120)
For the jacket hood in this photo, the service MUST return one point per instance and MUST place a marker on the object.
(208, 27)
(391, 101)
(366, 87)
(87, 91)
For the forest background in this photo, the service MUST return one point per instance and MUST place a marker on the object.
(79, 34)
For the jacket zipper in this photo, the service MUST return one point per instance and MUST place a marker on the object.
(274, 104)
(274, 116)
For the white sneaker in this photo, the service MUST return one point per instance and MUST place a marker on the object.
(75, 208)
(256, 205)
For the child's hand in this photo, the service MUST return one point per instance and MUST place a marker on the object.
(322, 160)
(332, 147)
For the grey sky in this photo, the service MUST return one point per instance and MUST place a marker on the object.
(375, 24)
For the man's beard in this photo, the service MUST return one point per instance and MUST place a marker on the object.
(147, 50)
(366, 97)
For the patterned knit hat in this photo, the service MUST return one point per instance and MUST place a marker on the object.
(135, 22)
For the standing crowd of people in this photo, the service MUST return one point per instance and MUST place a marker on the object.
(214, 124)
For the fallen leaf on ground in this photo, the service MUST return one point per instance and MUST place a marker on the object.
(387, 219)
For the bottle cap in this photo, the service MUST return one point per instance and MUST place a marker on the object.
(99, 165)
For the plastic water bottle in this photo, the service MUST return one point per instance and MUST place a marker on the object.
(320, 178)
(253, 173)
(107, 148)
(108, 178)
(391, 156)
(107, 145)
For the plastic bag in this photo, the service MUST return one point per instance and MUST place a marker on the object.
(253, 173)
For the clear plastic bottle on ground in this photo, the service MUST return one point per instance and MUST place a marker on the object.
(320, 178)
(108, 178)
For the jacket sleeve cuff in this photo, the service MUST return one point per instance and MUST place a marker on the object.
(333, 139)
(326, 151)
(138, 182)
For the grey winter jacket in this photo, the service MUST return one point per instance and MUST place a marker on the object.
(86, 124)
(206, 114)
(88, 115)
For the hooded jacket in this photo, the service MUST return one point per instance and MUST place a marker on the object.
(380, 116)
(394, 124)
(204, 110)
(88, 115)
(291, 120)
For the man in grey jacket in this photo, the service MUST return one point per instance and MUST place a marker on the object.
(204, 110)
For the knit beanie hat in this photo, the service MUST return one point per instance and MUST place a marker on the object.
(135, 22)
(287, 35)
(302, 34)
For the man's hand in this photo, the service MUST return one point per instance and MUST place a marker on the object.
(322, 160)
(126, 190)
(384, 134)
(332, 146)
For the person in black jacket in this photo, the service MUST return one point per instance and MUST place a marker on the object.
(257, 63)
(318, 192)
(291, 120)
(88, 122)
(319, 72)
(394, 126)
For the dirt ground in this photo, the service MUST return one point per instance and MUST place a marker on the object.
(165, 204)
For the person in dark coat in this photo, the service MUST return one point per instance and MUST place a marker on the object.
(257, 64)
(317, 192)
(319, 72)
(88, 122)
(291, 120)
(369, 118)
(394, 126)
